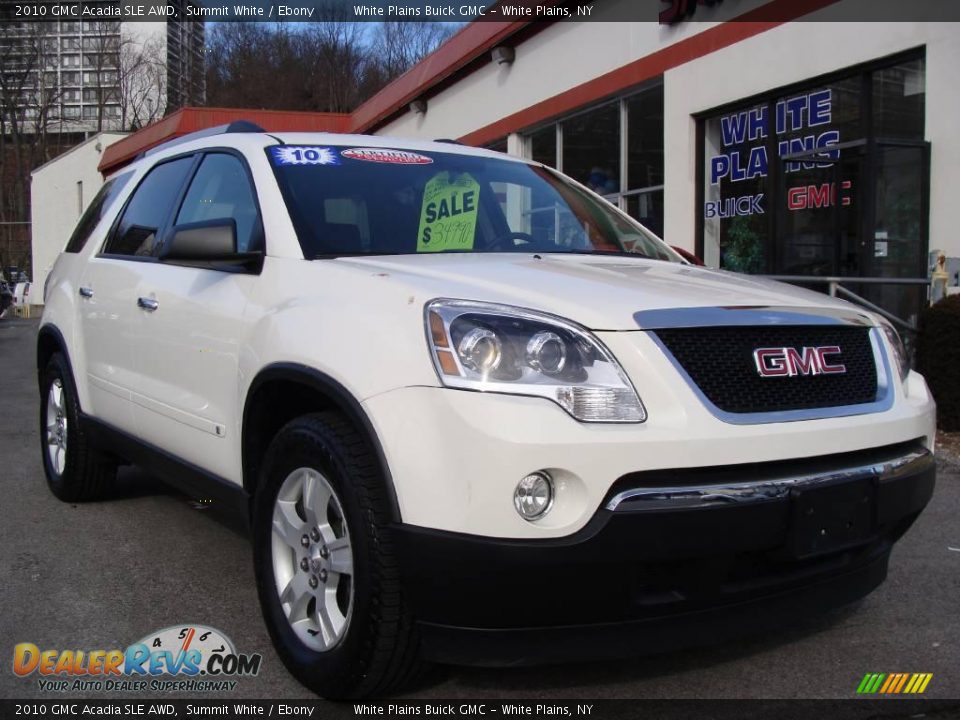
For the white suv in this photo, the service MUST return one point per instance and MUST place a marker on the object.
(473, 412)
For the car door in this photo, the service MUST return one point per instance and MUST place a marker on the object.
(108, 312)
(192, 329)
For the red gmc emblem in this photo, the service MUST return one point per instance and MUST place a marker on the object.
(788, 361)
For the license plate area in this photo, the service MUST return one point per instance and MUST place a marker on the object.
(832, 517)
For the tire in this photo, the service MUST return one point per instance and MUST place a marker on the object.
(355, 639)
(75, 471)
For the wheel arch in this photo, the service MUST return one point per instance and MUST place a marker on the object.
(283, 391)
(50, 341)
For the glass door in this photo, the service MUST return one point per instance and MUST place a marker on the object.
(820, 215)
(899, 227)
(864, 215)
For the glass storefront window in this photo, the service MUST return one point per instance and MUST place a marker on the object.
(645, 139)
(817, 228)
(498, 146)
(899, 245)
(591, 149)
(593, 143)
(807, 183)
(817, 119)
(647, 208)
(736, 190)
(899, 97)
(543, 146)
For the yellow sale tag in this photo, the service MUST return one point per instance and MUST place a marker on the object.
(448, 217)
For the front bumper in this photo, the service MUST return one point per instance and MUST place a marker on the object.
(455, 456)
(662, 566)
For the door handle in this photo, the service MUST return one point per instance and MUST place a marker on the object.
(86, 292)
(148, 303)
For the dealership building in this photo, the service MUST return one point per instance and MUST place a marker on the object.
(767, 137)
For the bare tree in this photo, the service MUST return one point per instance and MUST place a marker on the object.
(242, 62)
(400, 45)
(100, 59)
(330, 66)
(124, 80)
(339, 60)
(30, 108)
(127, 76)
(21, 61)
(141, 81)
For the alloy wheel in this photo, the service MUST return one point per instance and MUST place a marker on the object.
(57, 427)
(312, 559)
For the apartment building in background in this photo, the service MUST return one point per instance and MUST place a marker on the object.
(85, 76)
(186, 81)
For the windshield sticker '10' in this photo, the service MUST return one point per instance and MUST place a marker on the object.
(303, 155)
(448, 217)
(387, 156)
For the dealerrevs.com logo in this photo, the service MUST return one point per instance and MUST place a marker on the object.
(187, 658)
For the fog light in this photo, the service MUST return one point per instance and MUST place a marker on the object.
(533, 497)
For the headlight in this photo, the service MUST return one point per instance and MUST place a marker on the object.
(498, 348)
(899, 350)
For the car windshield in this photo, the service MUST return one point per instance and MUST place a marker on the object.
(376, 201)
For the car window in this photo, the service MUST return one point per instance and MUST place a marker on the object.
(148, 209)
(95, 212)
(349, 201)
(219, 191)
(533, 214)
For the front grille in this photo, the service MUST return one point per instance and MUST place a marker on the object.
(719, 360)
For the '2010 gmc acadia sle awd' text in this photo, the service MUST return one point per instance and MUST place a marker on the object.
(473, 412)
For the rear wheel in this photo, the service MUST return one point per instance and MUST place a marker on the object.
(326, 572)
(75, 471)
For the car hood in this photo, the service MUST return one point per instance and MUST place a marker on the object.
(599, 292)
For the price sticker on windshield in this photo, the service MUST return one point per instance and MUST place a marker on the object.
(448, 217)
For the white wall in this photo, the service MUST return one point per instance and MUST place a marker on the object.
(563, 56)
(55, 199)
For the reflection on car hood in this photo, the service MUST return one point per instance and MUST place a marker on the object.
(600, 292)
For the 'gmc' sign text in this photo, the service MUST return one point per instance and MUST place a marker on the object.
(788, 361)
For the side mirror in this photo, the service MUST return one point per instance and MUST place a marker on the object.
(208, 243)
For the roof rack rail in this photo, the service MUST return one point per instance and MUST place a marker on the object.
(448, 140)
(237, 126)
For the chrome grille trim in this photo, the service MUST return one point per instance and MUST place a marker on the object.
(755, 315)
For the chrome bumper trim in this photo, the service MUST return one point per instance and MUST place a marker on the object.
(761, 490)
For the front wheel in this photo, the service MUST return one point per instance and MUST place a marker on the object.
(75, 471)
(326, 572)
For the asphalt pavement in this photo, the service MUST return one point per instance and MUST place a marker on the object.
(103, 575)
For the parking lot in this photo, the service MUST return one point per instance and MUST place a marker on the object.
(104, 575)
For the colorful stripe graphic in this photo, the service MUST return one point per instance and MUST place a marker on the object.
(894, 683)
